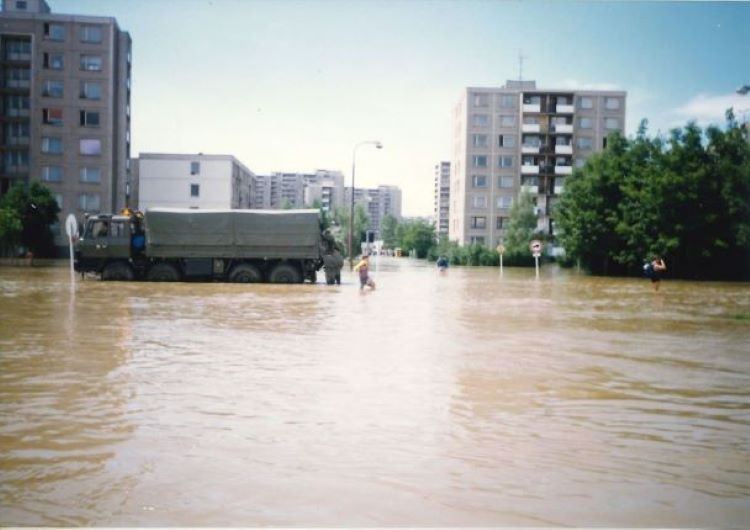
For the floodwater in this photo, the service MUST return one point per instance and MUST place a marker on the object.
(456, 399)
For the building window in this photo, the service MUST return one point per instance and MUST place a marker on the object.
(479, 181)
(584, 143)
(585, 123)
(52, 116)
(195, 168)
(585, 102)
(480, 120)
(52, 89)
(52, 145)
(476, 240)
(479, 160)
(580, 162)
(479, 201)
(89, 118)
(504, 182)
(91, 90)
(21, 5)
(54, 31)
(91, 174)
(506, 140)
(91, 63)
(479, 140)
(611, 123)
(479, 222)
(89, 202)
(612, 103)
(504, 202)
(92, 34)
(59, 200)
(90, 146)
(505, 161)
(501, 222)
(16, 158)
(195, 190)
(52, 173)
(507, 120)
(507, 100)
(481, 100)
(53, 61)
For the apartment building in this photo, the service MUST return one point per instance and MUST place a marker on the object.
(377, 202)
(297, 190)
(326, 187)
(65, 114)
(521, 138)
(442, 198)
(192, 181)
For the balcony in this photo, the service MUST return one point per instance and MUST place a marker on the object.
(563, 170)
(18, 83)
(529, 170)
(530, 149)
(531, 128)
(16, 169)
(558, 189)
(563, 149)
(17, 113)
(18, 57)
(563, 128)
(17, 140)
(530, 189)
(532, 107)
(564, 109)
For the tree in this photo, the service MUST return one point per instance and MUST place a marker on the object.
(389, 231)
(10, 230)
(416, 235)
(360, 225)
(36, 210)
(522, 228)
(687, 198)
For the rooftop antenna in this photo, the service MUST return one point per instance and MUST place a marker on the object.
(521, 57)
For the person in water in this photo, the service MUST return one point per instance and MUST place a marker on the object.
(363, 268)
(654, 270)
(442, 263)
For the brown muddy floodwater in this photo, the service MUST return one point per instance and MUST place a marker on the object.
(460, 399)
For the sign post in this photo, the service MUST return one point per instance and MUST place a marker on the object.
(71, 228)
(500, 250)
(536, 247)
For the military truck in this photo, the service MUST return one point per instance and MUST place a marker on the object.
(171, 244)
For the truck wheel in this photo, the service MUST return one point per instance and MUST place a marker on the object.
(163, 272)
(118, 272)
(285, 273)
(245, 273)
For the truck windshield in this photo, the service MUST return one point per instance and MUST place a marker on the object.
(97, 229)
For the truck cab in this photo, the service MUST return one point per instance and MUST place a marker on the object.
(106, 246)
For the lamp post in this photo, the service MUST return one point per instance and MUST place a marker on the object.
(378, 145)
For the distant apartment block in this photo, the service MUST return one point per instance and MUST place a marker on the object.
(442, 198)
(65, 114)
(520, 138)
(297, 190)
(192, 181)
(377, 202)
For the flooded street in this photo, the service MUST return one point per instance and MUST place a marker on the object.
(458, 399)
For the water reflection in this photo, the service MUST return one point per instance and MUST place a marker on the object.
(445, 400)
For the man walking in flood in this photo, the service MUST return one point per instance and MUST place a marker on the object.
(363, 268)
(332, 263)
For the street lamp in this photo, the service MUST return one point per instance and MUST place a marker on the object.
(378, 145)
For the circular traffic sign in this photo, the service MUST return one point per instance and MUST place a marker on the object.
(536, 246)
(71, 225)
(500, 249)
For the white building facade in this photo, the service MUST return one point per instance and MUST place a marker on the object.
(193, 181)
(442, 198)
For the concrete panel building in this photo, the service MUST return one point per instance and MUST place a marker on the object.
(193, 181)
(377, 202)
(65, 114)
(297, 190)
(442, 198)
(518, 137)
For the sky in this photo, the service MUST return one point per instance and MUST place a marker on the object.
(293, 86)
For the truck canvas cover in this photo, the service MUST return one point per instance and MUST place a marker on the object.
(187, 233)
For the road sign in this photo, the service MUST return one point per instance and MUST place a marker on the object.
(71, 225)
(500, 249)
(536, 246)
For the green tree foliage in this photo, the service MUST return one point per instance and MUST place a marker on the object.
(521, 230)
(36, 210)
(416, 235)
(359, 231)
(389, 231)
(686, 198)
(473, 255)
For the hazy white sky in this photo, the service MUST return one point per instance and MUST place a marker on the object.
(293, 85)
